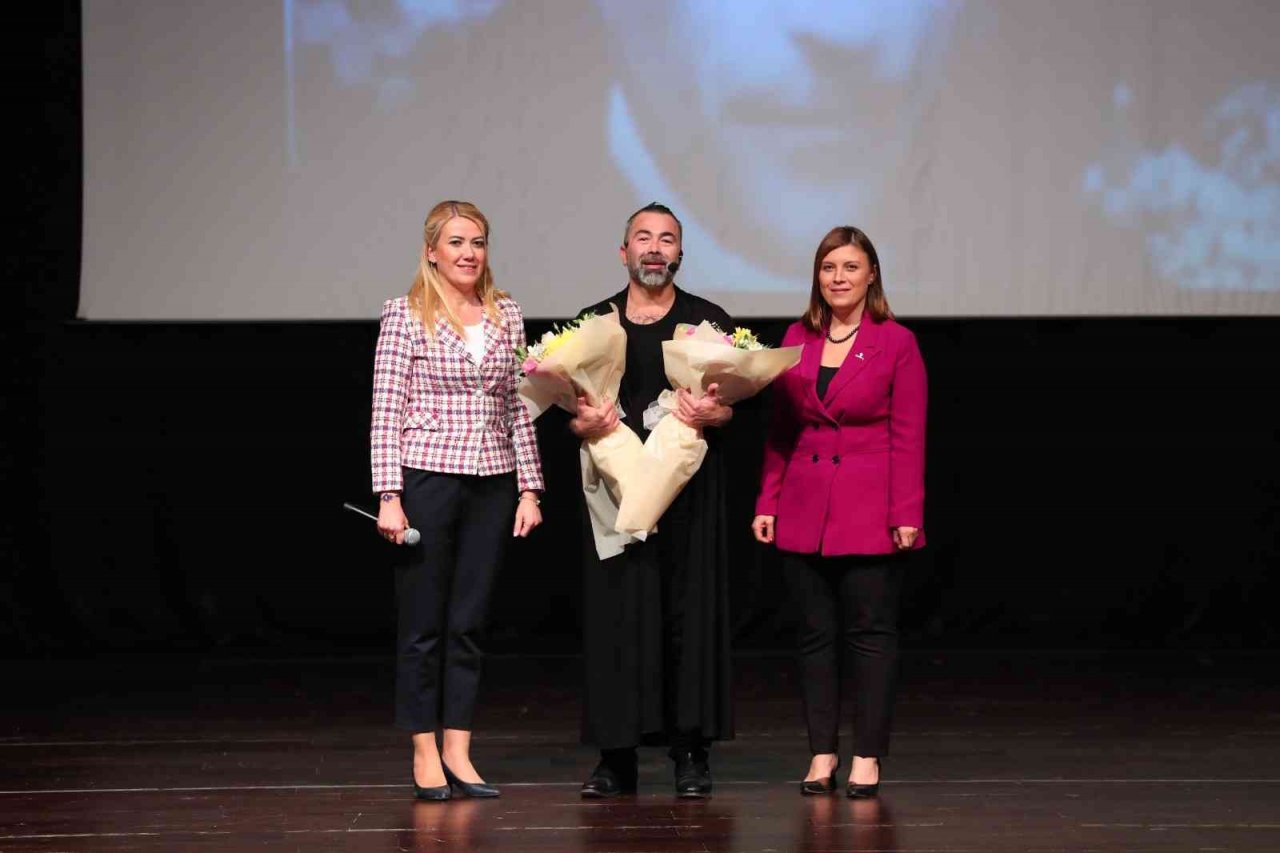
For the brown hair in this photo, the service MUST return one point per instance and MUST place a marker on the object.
(426, 297)
(818, 316)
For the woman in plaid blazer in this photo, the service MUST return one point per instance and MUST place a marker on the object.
(454, 455)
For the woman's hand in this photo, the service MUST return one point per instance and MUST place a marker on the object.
(905, 537)
(763, 528)
(392, 522)
(528, 516)
(594, 421)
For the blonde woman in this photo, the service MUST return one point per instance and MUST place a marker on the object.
(454, 456)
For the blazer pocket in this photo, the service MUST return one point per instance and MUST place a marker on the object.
(422, 420)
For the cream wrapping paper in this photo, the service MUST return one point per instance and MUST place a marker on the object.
(696, 358)
(589, 362)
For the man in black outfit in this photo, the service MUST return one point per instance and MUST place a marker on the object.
(656, 621)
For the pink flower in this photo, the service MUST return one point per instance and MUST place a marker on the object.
(728, 339)
(529, 366)
(689, 331)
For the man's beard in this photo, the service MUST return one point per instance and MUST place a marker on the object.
(652, 279)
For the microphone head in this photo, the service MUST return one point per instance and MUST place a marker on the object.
(673, 266)
(411, 536)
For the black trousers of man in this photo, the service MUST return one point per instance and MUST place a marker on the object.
(656, 639)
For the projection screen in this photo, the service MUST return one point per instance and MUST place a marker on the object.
(251, 159)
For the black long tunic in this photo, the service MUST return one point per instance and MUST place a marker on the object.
(656, 621)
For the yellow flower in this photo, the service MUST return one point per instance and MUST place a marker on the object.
(556, 341)
(744, 338)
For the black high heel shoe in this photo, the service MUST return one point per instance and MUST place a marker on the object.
(817, 787)
(477, 790)
(865, 792)
(436, 793)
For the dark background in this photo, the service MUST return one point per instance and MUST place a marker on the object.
(1092, 483)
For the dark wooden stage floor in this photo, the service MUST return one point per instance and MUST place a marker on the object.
(993, 752)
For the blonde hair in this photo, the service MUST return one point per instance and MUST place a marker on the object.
(426, 294)
(817, 317)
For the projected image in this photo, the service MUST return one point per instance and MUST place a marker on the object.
(1209, 224)
(365, 39)
(303, 141)
(760, 121)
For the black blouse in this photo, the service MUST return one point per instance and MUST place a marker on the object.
(825, 375)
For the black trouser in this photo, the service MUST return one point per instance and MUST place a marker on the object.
(442, 593)
(847, 604)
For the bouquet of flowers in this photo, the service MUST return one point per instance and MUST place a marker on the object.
(586, 358)
(696, 358)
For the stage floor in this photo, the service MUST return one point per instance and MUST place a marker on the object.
(992, 752)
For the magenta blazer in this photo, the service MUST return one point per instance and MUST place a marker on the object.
(840, 473)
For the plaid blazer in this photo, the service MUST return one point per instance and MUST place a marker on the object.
(435, 409)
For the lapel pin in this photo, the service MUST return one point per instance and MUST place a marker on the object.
(858, 356)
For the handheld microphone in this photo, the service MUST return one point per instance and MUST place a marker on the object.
(411, 536)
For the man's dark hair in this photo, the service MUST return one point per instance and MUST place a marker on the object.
(651, 207)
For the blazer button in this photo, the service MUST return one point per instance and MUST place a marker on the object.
(836, 459)
(815, 457)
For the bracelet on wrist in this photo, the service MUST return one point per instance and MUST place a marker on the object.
(532, 497)
(389, 496)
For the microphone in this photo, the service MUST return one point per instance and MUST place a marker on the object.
(674, 265)
(411, 536)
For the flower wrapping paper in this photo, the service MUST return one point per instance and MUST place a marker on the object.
(696, 358)
(589, 361)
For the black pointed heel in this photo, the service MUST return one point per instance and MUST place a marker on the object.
(818, 787)
(436, 793)
(476, 790)
(865, 792)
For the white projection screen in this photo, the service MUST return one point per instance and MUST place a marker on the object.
(274, 159)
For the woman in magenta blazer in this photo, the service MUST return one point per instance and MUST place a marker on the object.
(842, 495)
(454, 455)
